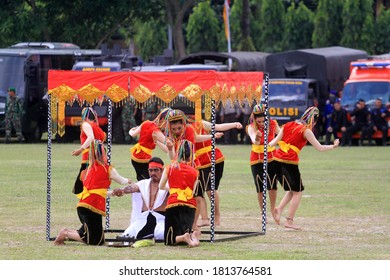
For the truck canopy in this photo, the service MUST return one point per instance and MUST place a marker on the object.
(330, 66)
(241, 61)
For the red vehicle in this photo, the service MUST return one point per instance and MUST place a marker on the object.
(369, 80)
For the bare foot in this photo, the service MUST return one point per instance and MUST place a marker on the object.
(195, 236)
(187, 239)
(273, 213)
(217, 220)
(204, 223)
(276, 215)
(291, 225)
(60, 238)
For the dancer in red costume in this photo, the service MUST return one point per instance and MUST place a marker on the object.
(181, 176)
(255, 131)
(92, 205)
(90, 131)
(203, 159)
(291, 139)
(150, 136)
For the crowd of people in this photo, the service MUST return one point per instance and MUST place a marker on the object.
(361, 123)
(168, 201)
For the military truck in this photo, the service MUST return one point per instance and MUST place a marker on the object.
(25, 66)
(300, 78)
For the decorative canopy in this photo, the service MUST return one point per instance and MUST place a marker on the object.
(70, 86)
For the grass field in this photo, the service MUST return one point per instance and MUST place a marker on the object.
(344, 211)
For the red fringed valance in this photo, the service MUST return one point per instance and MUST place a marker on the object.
(71, 86)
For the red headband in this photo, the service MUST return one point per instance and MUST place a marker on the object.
(155, 164)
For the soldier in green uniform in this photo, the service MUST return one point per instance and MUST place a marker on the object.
(151, 111)
(13, 115)
(129, 111)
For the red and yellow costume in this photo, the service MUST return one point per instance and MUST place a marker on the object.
(257, 152)
(203, 149)
(96, 183)
(181, 182)
(188, 134)
(142, 151)
(292, 143)
(98, 133)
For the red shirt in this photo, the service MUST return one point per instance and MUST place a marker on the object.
(181, 182)
(257, 153)
(293, 135)
(98, 133)
(96, 182)
(145, 143)
(203, 149)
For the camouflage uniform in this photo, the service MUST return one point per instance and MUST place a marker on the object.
(128, 119)
(151, 111)
(13, 114)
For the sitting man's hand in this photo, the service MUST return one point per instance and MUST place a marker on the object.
(118, 192)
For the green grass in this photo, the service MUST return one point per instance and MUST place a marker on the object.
(344, 211)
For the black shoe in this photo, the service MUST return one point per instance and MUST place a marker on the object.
(126, 238)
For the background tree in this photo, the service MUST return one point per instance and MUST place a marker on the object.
(255, 23)
(298, 28)
(246, 43)
(150, 38)
(368, 35)
(272, 23)
(354, 17)
(382, 31)
(202, 29)
(176, 10)
(327, 24)
(235, 27)
(86, 23)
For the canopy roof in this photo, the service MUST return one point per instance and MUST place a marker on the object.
(89, 86)
(71, 86)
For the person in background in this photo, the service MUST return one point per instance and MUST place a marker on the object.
(378, 121)
(90, 131)
(92, 205)
(151, 111)
(13, 115)
(292, 138)
(360, 117)
(338, 123)
(246, 111)
(182, 178)
(129, 111)
(230, 113)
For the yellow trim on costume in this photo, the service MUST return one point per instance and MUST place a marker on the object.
(138, 148)
(260, 148)
(286, 147)
(93, 209)
(182, 195)
(202, 151)
(85, 151)
(85, 193)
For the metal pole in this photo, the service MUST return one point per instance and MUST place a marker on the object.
(265, 163)
(212, 202)
(48, 190)
(109, 142)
